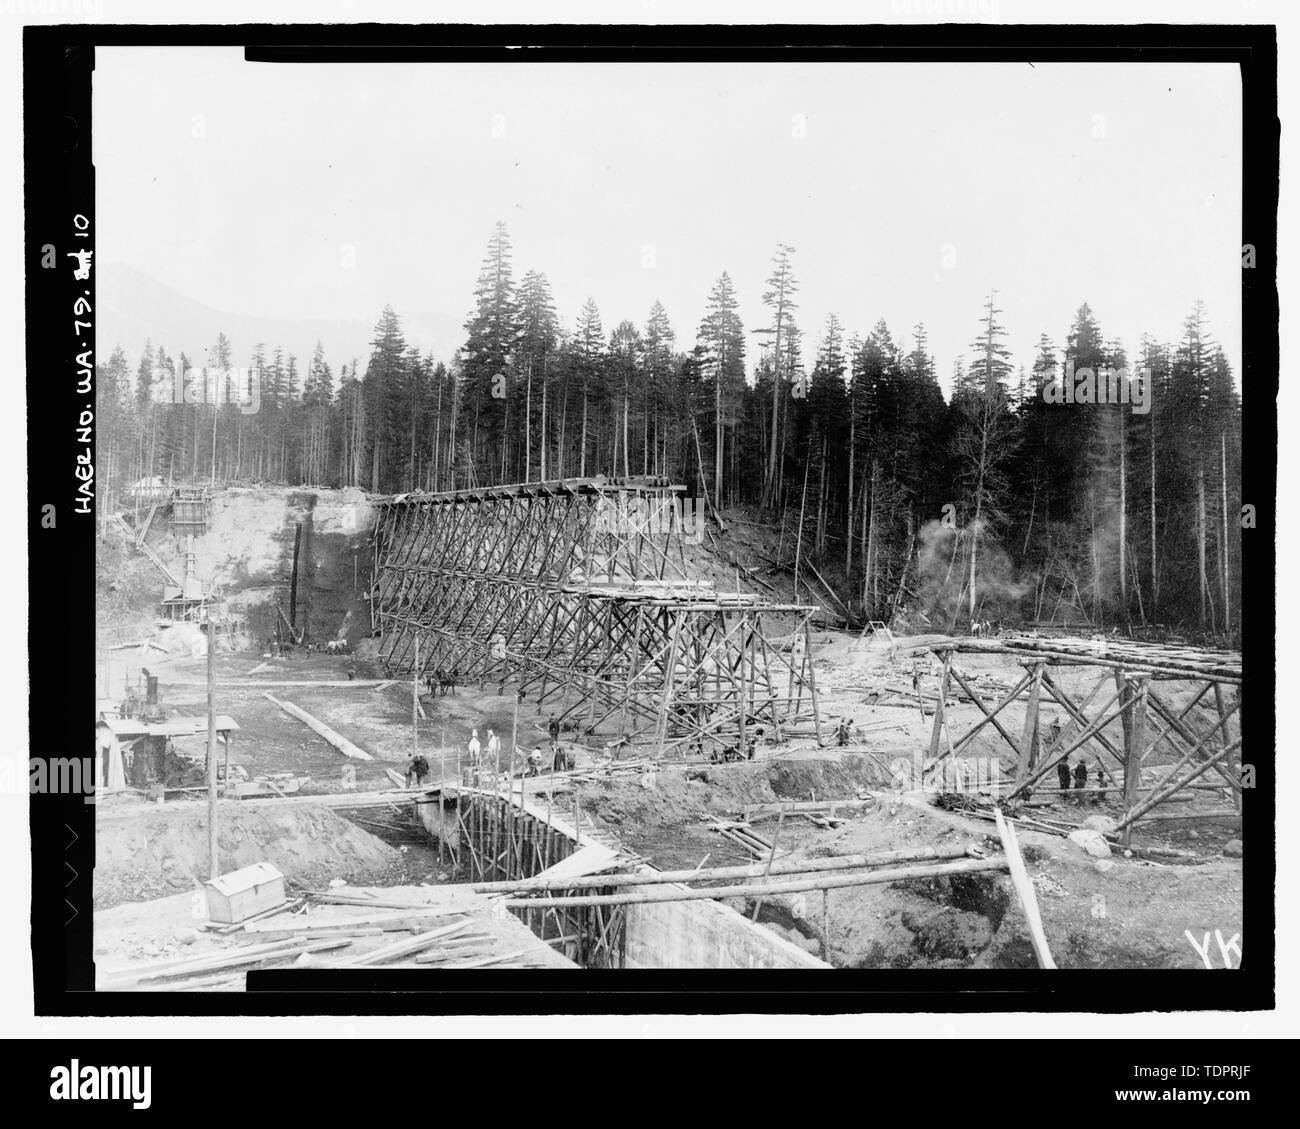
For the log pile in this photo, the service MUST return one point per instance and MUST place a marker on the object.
(333, 933)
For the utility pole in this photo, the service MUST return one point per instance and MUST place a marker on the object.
(415, 701)
(214, 869)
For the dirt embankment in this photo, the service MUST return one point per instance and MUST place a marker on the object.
(1116, 913)
(153, 854)
(248, 552)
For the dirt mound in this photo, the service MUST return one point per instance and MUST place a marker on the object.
(160, 853)
(675, 796)
(827, 777)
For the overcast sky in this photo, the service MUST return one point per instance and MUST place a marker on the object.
(907, 190)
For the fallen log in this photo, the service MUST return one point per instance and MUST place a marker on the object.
(798, 886)
(251, 954)
(1155, 818)
(344, 746)
(752, 870)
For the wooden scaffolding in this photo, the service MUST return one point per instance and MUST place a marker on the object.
(576, 592)
(1124, 700)
(189, 506)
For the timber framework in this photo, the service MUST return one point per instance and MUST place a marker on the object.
(1125, 718)
(577, 593)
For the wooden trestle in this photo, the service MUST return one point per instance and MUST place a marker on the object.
(1139, 718)
(494, 837)
(576, 592)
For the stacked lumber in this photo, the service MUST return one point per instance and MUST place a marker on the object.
(333, 931)
(1197, 662)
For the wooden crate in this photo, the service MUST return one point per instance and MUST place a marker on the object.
(241, 894)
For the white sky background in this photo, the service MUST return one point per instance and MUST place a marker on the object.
(700, 162)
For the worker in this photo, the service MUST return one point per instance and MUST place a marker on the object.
(534, 761)
(418, 768)
(493, 748)
(1102, 781)
(842, 731)
(1063, 773)
(553, 728)
(1080, 779)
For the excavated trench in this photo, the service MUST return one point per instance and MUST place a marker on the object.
(493, 840)
(947, 921)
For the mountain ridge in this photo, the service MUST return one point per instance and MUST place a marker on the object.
(134, 307)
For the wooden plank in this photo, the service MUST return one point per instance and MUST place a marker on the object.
(407, 948)
(344, 746)
(250, 954)
(385, 923)
(1025, 890)
(481, 962)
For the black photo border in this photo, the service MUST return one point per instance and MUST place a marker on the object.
(58, 66)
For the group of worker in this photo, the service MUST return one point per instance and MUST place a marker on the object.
(727, 753)
(482, 754)
(1080, 778)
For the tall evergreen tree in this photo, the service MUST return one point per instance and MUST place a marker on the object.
(493, 331)
(383, 388)
(779, 299)
(721, 338)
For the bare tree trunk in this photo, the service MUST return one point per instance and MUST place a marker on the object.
(528, 423)
(717, 433)
(626, 473)
(1029, 526)
(848, 537)
(216, 410)
(803, 498)
(542, 437)
(1223, 480)
(1200, 538)
(582, 455)
(821, 501)
(561, 452)
(437, 439)
(1123, 520)
(974, 546)
(1155, 571)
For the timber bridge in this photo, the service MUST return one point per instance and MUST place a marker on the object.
(1198, 737)
(576, 592)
